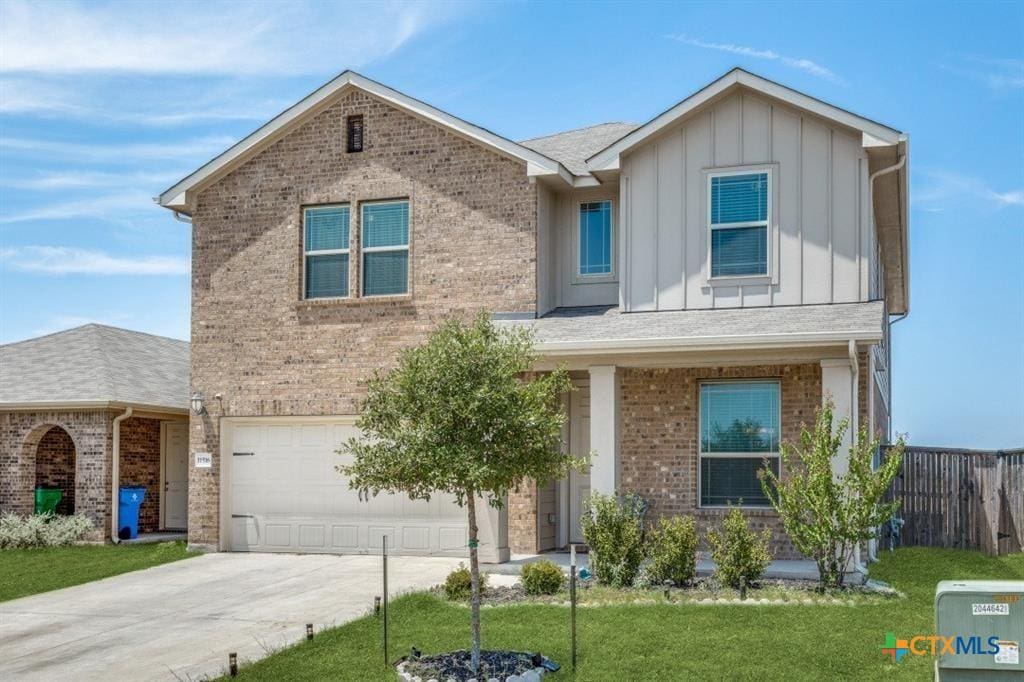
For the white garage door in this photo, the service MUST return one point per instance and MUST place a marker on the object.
(285, 495)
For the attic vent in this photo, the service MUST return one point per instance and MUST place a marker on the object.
(355, 133)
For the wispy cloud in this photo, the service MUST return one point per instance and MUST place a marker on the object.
(62, 180)
(940, 189)
(214, 37)
(116, 208)
(800, 63)
(190, 150)
(67, 260)
(996, 74)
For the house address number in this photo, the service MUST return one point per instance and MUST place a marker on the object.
(204, 460)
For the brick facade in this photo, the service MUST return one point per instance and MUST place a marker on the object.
(522, 519)
(140, 466)
(55, 467)
(267, 352)
(660, 434)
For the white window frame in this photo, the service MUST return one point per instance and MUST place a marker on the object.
(363, 250)
(579, 277)
(768, 223)
(325, 252)
(701, 455)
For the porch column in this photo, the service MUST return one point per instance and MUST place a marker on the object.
(604, 429)
(838, 382)
(492, 524)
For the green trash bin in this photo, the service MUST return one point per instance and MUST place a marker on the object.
(47, 500)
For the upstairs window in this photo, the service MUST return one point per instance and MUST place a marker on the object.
(325, 248)
(738, 214)
(385, 232)
(354, 133)
(595, 239)
(739, 432)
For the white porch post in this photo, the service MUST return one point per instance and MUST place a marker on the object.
(604, 429)
(838, 382)
(493, 532)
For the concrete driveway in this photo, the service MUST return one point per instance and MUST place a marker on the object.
(181, 620)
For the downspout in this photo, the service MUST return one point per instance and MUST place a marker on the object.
(178, 216)
(115, 476)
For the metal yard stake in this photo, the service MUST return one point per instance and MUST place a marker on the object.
(385, 555)
(572, 600)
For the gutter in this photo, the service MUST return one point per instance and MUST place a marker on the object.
(115, 476)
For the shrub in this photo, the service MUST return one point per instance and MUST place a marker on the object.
(458, 584)
(542, 577)
(613, 531)
(41, 530)
(740, 554)
(673, 550)
(826, 515)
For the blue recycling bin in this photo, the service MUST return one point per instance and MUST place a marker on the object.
(128, 505)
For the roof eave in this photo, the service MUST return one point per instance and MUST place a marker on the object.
(78, 405)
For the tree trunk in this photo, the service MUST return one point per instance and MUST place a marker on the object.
(474, 572)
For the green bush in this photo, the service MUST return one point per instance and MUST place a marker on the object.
(613, 531)
(41, 530)
(542, 577)
(673, 551)
(458, 587)
(739, 553)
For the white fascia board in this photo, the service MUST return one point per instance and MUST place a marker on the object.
(607, 158)
(35, 406)
(538, 164)
(706, 343)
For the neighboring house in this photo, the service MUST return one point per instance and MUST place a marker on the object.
(91, 408)
(709, 277)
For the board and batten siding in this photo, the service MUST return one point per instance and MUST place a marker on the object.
(820, 242)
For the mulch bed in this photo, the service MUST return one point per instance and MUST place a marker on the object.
(456, 665)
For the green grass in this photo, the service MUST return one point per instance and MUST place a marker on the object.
(31, 571)
(652, 642)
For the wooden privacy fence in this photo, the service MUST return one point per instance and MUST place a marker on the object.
(969, 499)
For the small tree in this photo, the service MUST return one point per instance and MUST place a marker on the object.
(826, 515)
(456, 416)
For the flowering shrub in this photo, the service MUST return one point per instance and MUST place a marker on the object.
(41, 530)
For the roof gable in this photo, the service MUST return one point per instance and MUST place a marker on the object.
(874, 132)
(179, 196)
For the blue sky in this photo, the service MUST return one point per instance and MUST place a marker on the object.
(104, 105)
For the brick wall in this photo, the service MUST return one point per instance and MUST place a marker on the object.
(522, 519)
(55, 467)
(140, 466)
(660, 434)
(472, 245)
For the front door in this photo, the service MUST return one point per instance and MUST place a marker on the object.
(175, 475)
(579, 446)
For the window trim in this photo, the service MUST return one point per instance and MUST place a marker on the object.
(701, 455)
(326, 252)
(770, 224)
(578, 277)
(363, 250)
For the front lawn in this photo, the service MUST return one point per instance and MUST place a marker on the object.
(681, 641)
(30, 571)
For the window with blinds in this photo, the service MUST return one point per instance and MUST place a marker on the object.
(354, 133)
(739, 436)
(325, 251)
(595, 238)
(385, 248)
(738, 212)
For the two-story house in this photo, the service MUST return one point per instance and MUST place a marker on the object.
(709, 277)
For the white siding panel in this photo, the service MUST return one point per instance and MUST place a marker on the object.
(814, 196)
(728, 131)
(757, 134)
(643, 221)
(698, 156)
(786, 151)
(845, 227)
(670, 222)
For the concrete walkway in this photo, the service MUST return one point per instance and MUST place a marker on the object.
(181, 620)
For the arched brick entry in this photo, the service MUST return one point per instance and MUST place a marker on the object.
(55, 466)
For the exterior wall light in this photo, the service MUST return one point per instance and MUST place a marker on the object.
(197, 404)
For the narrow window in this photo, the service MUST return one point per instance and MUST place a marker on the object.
(739, 224)
(354, 125)
(739, 436)
(385, 245)
(325, 248)
(595, 238)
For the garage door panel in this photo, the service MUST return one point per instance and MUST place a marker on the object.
(289, 496)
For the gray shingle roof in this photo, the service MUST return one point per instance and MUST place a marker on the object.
(606, 326)
(573, 147)
(96, 363)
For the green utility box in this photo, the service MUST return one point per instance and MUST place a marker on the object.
(47, 500)
(980, 624)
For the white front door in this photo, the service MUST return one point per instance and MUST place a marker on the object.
(175, 474)
(579, 446)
